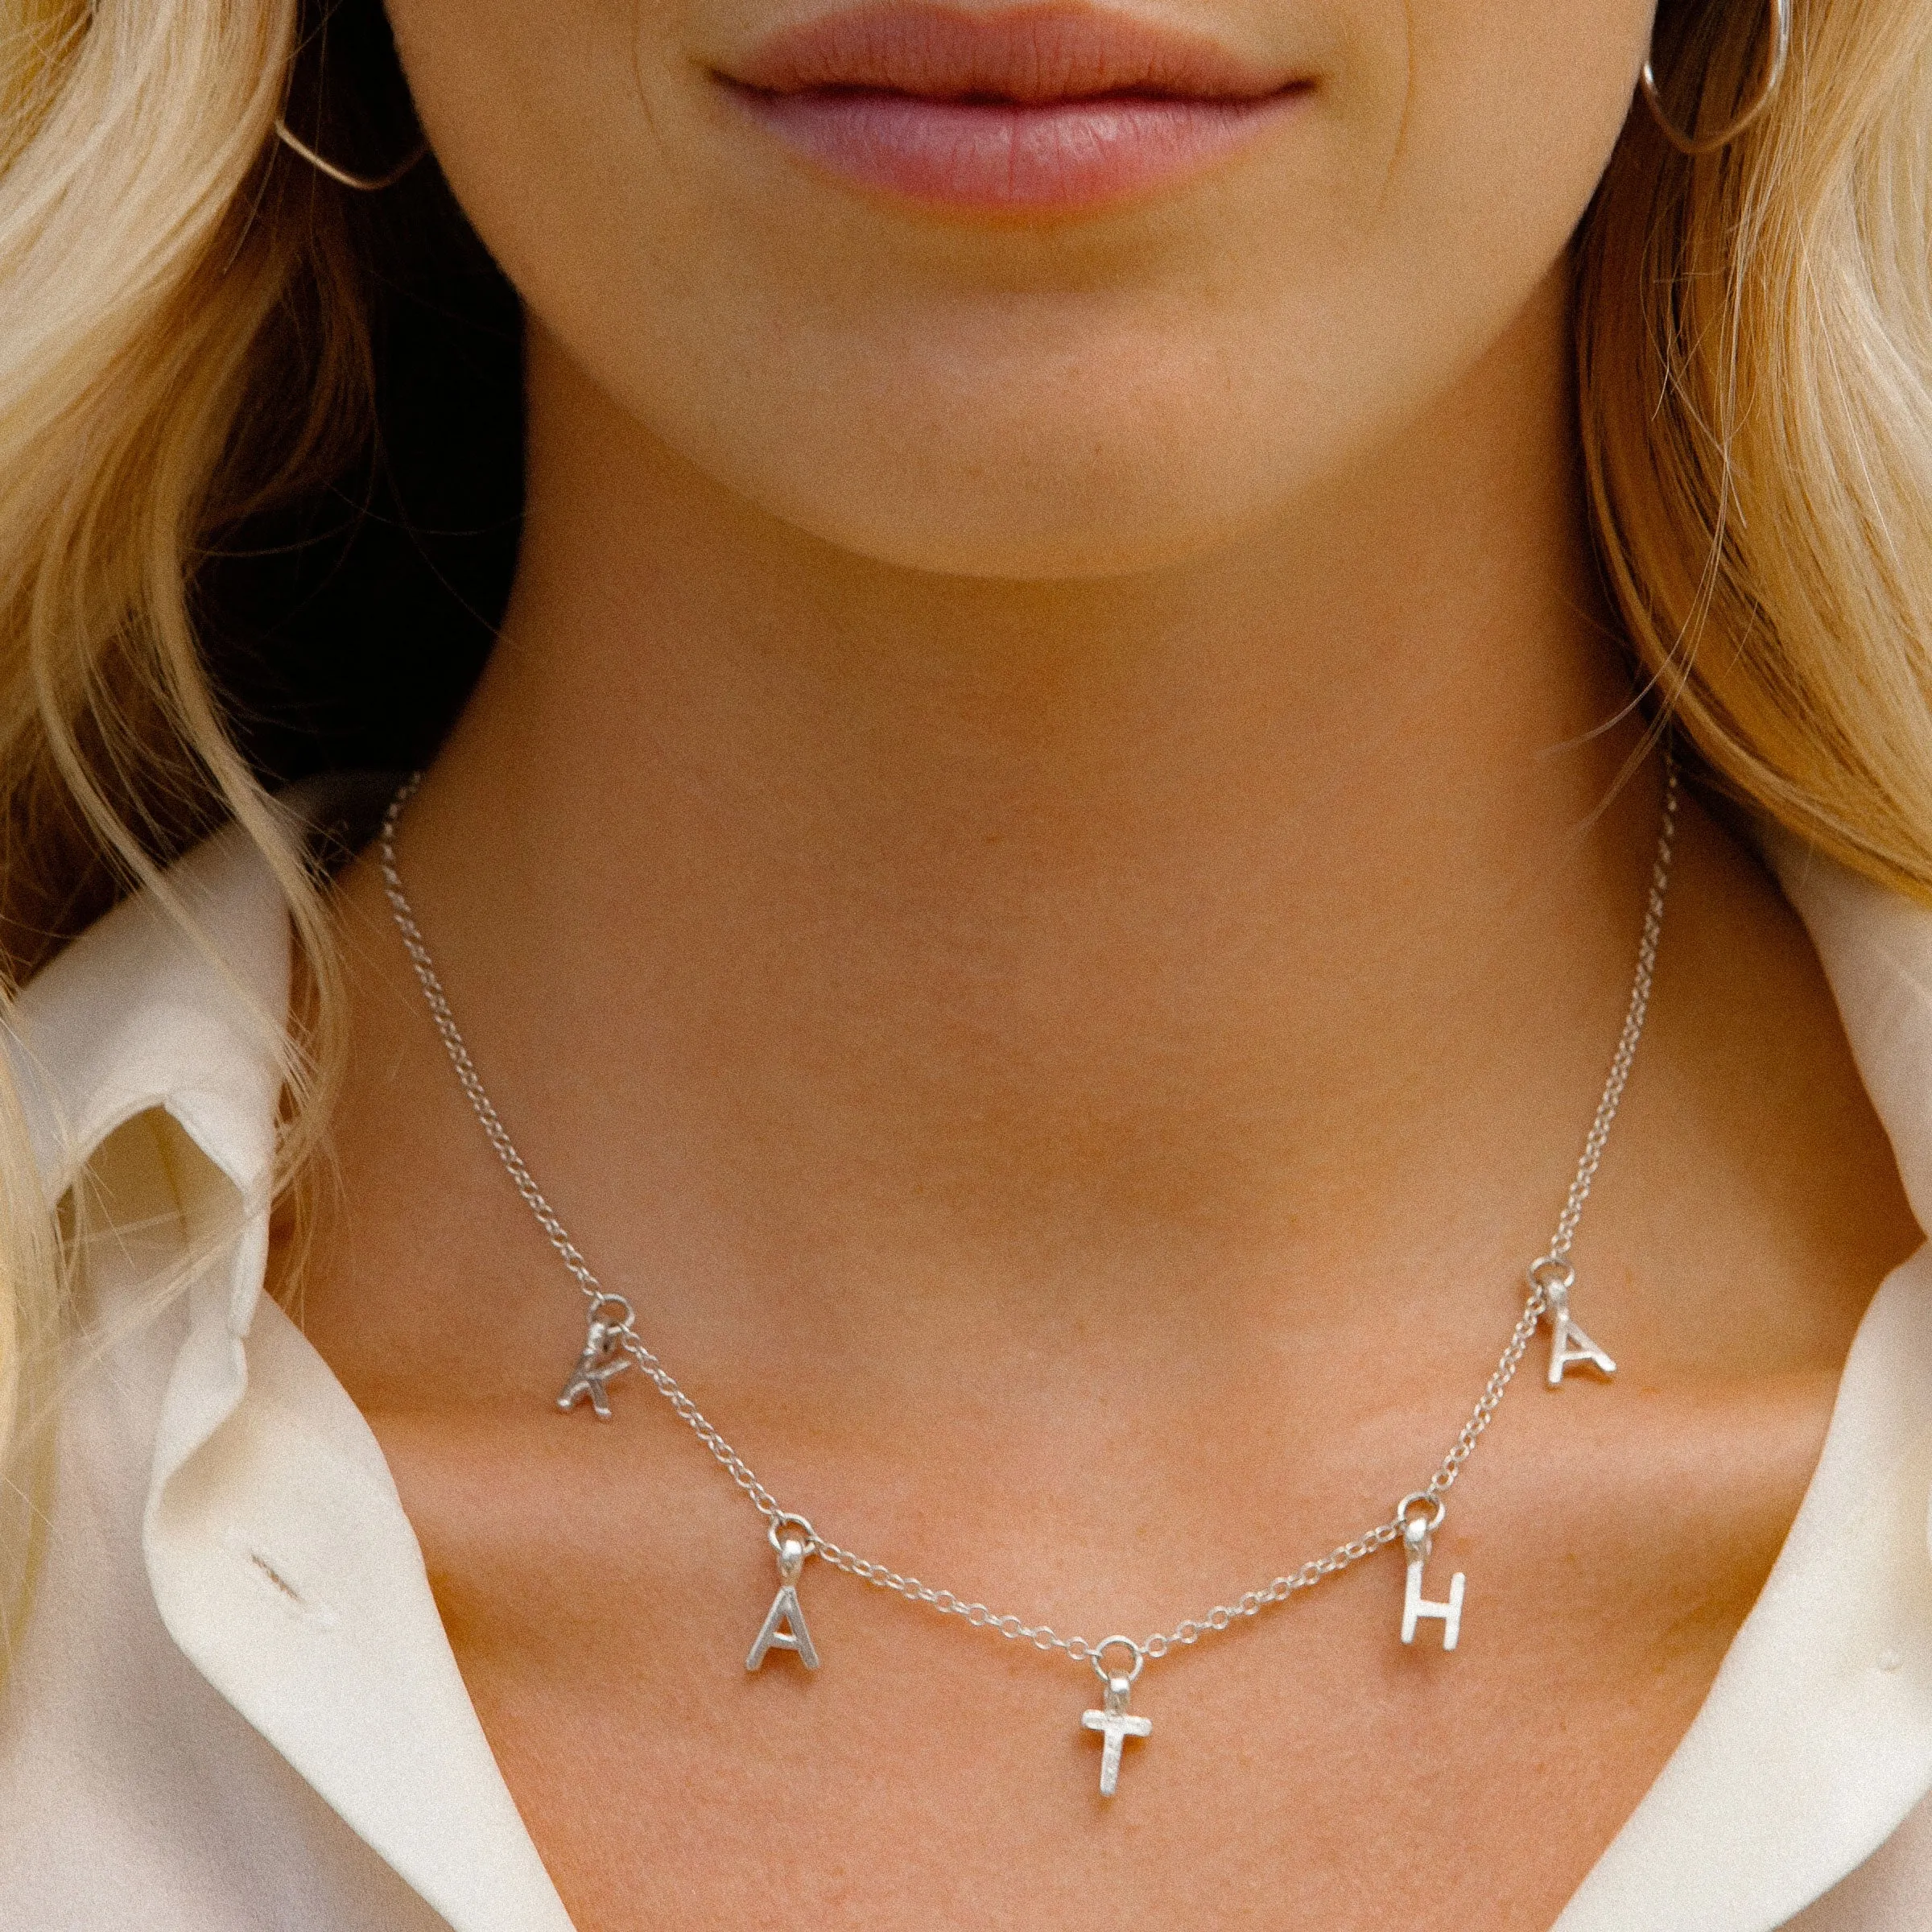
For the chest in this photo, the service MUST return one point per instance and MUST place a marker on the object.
(1306, 1763)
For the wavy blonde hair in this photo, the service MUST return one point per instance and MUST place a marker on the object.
(181, 332)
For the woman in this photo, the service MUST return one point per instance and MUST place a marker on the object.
(1128, 622)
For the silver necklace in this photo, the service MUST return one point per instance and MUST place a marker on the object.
(611, 1346)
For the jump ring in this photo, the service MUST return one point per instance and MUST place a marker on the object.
(785, 1519)
(1550, 1273)
(1099, 1658)
(1422, 1495)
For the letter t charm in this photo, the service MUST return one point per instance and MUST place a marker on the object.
(1116, 1723)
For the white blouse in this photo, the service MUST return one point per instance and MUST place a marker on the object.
(235, 1707)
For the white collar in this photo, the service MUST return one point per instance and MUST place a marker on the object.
(277, 1549)
(261, 1459)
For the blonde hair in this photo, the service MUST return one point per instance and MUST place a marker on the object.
(148, 286)
(1755, 358)
(1754, 338)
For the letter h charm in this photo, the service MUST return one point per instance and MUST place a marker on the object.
(1416, 1541)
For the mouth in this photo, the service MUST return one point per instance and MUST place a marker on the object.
(1042, 110)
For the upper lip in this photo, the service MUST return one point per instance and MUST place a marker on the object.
(1031, 54)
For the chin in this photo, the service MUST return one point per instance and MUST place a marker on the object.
(1024, 548)
(1054, 525)
(1004, 480)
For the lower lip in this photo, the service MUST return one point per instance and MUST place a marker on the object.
(1049, 157)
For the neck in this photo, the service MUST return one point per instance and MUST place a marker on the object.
(1106, 931)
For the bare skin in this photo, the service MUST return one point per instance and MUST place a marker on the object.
(1071, 1055)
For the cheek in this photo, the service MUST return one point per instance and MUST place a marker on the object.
(1096, 395)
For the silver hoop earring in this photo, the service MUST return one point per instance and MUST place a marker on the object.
(365, 184)
(1774, 76)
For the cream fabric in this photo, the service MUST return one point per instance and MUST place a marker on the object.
(235, 1707)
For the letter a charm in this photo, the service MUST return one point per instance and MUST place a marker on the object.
(784, 1627)
(1416, 1533)
(1568, 1343)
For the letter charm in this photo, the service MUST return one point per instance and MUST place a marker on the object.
(603, 1357)
(784, 1627)
(1116, 1723)
(1416, 1542)
(1568, 1343)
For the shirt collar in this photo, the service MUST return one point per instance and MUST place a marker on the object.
(180, 1009)
(277, 1549)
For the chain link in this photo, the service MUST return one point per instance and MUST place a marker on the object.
(1599, 1135)
(615, 1311)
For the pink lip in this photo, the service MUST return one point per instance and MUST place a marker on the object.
(1042, 110)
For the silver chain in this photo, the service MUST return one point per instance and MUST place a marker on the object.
(1633, 1027)
(615, 1312)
